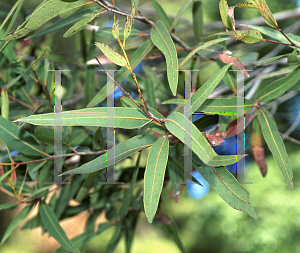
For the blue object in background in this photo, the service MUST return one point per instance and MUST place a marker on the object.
(228, 147)
(197, 191)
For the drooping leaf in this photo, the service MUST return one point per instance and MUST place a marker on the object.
(122, 150)
(162, 14)
(129, 23)
(19, 140)
(162, 40)
(198, 20)
(115, 28)
(267, 14)
(276, 145)
(178, 125)
(223, 7)
(225, 184)
(154, 176)
(42, 14)
(112, 55)
(50, 222)
(127, 118)
(278, 87)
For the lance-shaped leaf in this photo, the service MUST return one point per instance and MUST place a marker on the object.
(182, 9)
(4, 104)
(250, 36)
(122, 151)
(134, 60)
(154, 176)
(127, 118)
(162, 14)
(223, 7)
(112, 55)
(276, 145)
(224, 105)
(81, 24)
(50, 222)
(107, 32)
(278, 87)
(293, 57)
(177, 124)
(246, 5)
(42, 14)
(198, 20)
(19, 140)
(115, 28)
(206, 89)
(162, 40)
(225, 184)
(272, 59)
(267, 14)
(129, 23)
(205, 45)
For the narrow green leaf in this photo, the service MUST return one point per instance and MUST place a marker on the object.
(162, 14)
(38, 191)
(162, 40)
(278, 87)
(129, 23)
(206, 89)
(63, 22)
(267, 14)
(204, 45)
(88, 182)
(250, 36)
(50, 222)
(115, 239)
(122, 151)
(134, 60)
(81, 24)
(175, 101)
(223, 7)
(112, 55)
(127, 118)
(150, 92)
(272, 59)
(225, 184)
(21, 216)
(19, 140)
(154, 176)
(198, 20)
(106, 32)
(182, 9)
(42, 14)
(224, 105)
(4, 104)
(8, 206)
(176, 123)
(276, 145)
(293, 57)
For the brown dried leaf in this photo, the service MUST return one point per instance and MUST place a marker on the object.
(214, 140)
(179, 193)
(230, 12)
(260, 159)
(234, 60)
(163, 218)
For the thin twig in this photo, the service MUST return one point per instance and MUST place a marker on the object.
(289, 138)
(41, 87)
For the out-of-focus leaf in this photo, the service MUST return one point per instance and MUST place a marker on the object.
(182, 9)
(122, 151)
(198, 20)
(278, 87)
(50, 222)
(154, 176)
(225, 184)
(293, 57)
(15, 223)
(162, 14)
(162, 40)
(112, 55)
(276, 145)
(272, 59)
(176, 123)
(8, 206)
(42, 14)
